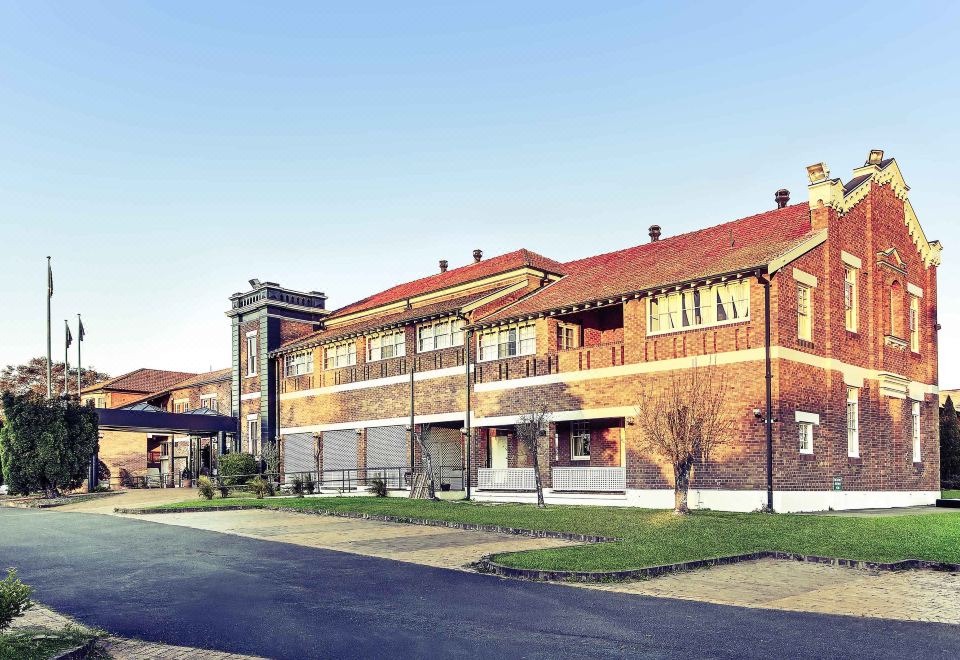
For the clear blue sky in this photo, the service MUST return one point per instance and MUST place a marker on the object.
(165, 153)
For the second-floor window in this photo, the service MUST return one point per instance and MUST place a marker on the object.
(386, 345)
(252, 354)
(439, 334)
(209, 401)
(340, 355)
(804, 313)
(850, 298)
(298, 364)
(508, 341)
(914, 324)
(709, 305)
(181, 405)
(568, 336)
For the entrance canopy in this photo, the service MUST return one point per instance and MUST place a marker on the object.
(123, 419)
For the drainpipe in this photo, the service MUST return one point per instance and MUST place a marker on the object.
(768, 417)
(412, 454)
(469, 436)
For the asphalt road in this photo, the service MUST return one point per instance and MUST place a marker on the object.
(204, 589)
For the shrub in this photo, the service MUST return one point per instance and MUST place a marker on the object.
(237, 468)
(308, 484)
(224, 492)
(14, 598)
(296, 486)
(378, 486)
(258, 486)
(205, 486)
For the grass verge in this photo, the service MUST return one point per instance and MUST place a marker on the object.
(950, 494)
(43, 643)
(654, 538)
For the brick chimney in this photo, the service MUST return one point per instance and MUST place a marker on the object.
(654, 233)
(443, 265)
(826, 195)
(477, 256)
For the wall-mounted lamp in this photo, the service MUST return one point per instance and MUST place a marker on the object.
(631, 421)
(757, 413)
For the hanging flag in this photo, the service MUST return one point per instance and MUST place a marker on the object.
(49, 279)
(80, 331)
(69, 336)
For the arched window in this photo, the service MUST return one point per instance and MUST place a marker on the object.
(896, 309)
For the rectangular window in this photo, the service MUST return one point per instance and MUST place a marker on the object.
(509, 341)
(386, 345)
(850, 298)
(209, 401)
(704, 306)
(916, 431)
(252, 354)
(853, 422)
(914, 324)
(568, 336)
(340, 355)
(298, 364)
(439, 334)
(806, 437)
(804, 314)
(253, 433)
(181, 405)
(580, 441)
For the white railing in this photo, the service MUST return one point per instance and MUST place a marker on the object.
(506, 479)
(596, 479)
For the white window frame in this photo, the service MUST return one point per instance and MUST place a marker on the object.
(805, 437)
(915, 431)
(386, 345)
(253, 432)
(298, 364)
(853, 422)
(579, 431)
(568, 336)
(914, 324)
(446, 332)
(181, 405)
(804, 312)
(251, 353)
(339, 355)
(507, 341)
(699, 307)
(850, 298)
(205, 400)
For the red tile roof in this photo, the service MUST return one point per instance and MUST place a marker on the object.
(725, 248)
(141, 380)
(197, 379)
(469, 273)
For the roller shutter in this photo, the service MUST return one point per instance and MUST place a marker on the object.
(446, 450)
(339, 453)
(388, 453)
(298, 454)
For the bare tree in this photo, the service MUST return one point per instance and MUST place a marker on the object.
(683, 421)
(426, 460)
(531, 427)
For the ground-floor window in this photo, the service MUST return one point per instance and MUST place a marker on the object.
(580, 441)
(253, 433)
(853, 422)
(916, 432)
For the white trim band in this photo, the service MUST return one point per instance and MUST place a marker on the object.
(808, 417)
(250, 396)
(914, 290)
(804, 277)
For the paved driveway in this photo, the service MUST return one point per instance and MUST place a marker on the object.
(205, 589)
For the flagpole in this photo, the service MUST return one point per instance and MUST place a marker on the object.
(79, 341)
(66, 357)
(49, 343)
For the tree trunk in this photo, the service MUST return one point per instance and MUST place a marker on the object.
(536, 477)
(681, 488)
(427, 461)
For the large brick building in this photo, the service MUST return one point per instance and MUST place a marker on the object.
(839, 291)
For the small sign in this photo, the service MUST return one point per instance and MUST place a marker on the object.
(838, 483)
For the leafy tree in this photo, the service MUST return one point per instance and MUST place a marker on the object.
(531, 427)
(46, 445)
(32, 378)
(949, 443)
(683, 421)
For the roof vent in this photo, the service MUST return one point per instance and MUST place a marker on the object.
(654, 233)
(477, 256)
(875, 157)
(782, 197)
(443, 265)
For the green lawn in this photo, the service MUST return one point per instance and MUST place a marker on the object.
(950, 494)
(43, 643)
(653, 538)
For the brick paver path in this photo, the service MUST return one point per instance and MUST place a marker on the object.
(432, 546)
(918, 595)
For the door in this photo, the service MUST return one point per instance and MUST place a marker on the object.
(498, 451)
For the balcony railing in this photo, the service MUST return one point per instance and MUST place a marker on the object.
(590, 479)
(506, 479)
